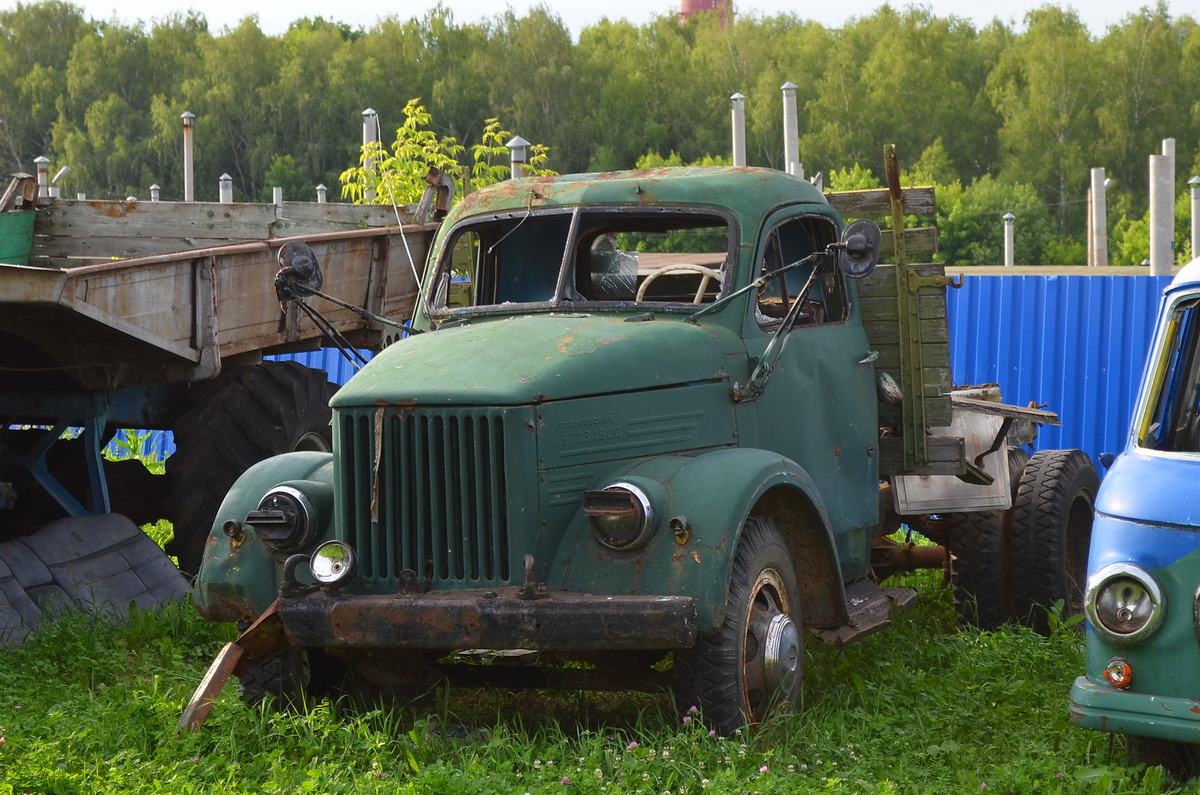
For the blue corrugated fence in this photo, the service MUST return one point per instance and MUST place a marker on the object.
(1074, 343)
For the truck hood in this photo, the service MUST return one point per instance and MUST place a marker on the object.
(535, 358)
(1152, 489)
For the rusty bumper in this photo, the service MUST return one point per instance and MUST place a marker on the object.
(478, 619)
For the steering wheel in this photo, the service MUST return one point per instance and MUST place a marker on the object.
(708, 275)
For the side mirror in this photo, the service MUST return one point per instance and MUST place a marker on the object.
(858, 251)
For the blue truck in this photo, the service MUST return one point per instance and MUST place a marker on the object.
(1142, 602)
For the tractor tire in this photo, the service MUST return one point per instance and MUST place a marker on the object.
(244, 416)
(1051, 533)
(982, 573)
(752, 667)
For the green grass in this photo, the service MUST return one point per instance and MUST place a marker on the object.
(918, 708)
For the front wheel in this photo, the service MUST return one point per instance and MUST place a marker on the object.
(751, 668)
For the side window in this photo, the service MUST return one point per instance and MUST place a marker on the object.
(816, 284)
(1174, 420)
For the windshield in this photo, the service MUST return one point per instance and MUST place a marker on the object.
(662, 256)
(1172, 418)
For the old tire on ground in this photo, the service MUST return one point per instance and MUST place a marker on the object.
(982, 574)
(752, 666)
(245, 415)
(1051, 533)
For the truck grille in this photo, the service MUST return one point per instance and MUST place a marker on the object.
(425, 491)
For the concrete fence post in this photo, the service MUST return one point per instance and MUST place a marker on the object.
(370, 138)
(226, 189)
(322, 194)
(189, 164)
(518, 155)
(1009, 238)
(1098, 220)
(738, 110)
(1194, 182)
(155, 193)
(791, 132)
(1162, 214)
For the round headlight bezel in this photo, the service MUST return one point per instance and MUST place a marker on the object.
(285, 518)
(611, 527)
(1129, 616)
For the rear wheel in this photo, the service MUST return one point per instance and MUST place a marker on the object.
(752, 667)
(982, 574)
(246, 415)
(1051, 533)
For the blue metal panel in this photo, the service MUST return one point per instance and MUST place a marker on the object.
(336, 366)
(1075, 343)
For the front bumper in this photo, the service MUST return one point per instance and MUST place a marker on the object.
(489, 619)
(512, 618)
(1104, 708)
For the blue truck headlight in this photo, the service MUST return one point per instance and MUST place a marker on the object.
(620, 515)
(1124, 603)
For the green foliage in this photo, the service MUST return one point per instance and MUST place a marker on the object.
(285, 173)
(971, 223)
(1064, 251)
(920, 707)
(397, 176)
(854, 178)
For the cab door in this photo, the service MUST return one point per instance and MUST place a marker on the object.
(818, 406)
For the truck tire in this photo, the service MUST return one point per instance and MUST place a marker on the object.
(1051, 533)
(294, 677)
(1180, 760)
(982, 573)
(283, 676)
(244, 416)
(753, 665)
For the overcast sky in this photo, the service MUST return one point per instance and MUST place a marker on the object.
(274, 17)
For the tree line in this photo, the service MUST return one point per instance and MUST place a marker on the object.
(1000, 119)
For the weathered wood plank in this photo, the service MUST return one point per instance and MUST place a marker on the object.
(918, 242)
(877, 201)
(69, 233)
(945, 456)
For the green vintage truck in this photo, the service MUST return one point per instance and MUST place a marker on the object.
(660, 425)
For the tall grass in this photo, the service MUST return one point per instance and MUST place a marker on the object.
(918, 708)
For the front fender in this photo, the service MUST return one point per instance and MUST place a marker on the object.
(237, 581)
(710, 495)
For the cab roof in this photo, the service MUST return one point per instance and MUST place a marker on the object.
(747, 193)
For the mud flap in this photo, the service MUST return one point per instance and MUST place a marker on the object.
(101, 564)
(262, 638)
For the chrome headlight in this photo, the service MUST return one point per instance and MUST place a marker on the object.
(284, 519)
(620, 515)
(1124, 603)
(332, 564)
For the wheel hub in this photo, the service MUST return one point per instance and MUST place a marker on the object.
(781, 655)
(773, 647)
